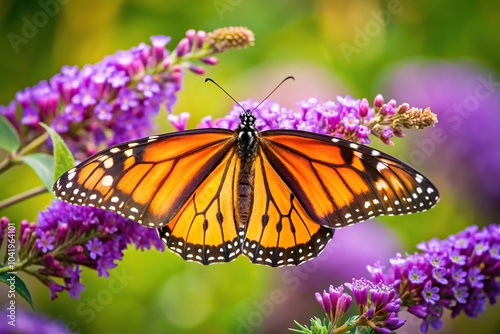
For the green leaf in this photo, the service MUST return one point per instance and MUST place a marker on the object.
(63, 159)
(9, 140)
(43, 165)
(16, 286)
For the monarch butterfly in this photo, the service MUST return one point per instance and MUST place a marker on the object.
(275, 196)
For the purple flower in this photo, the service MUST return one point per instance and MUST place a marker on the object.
(127, 99)
(350, 122)
(45, 242)
(95, 248)
(416, 276)
(118, 79)
(461, 293)
(103, 111)
(179, 121)
(62, 235)
(339, 119)
(359, 288)
(74, 112)
(430, 293)
(459, 274)
(30, 117)
(148, 86)
(87, 105)
(159, 42)
(457, 258)
(84, 98)
(439, 274)
(73, 284)
(334, 302)
(475, 277)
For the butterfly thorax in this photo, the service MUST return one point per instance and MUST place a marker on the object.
(247, 142)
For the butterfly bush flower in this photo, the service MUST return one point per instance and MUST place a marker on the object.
(345, 118)
(460, 273)
(68, 238)
(116, 99)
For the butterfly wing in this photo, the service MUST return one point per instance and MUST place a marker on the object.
(204, 230)
(280, 232)
(339, 183)
(148, 180)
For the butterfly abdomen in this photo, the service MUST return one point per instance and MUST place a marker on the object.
(244, 193)
(247, 143)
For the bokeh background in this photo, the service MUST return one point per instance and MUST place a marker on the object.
(442, 54)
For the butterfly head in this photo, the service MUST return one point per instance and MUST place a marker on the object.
(247, 119)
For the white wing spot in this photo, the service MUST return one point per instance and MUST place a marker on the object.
(108, 163)
(133, 144)
(381, 167)
(129, 152)
(375, 153)
(107, 180)
(114, 150)
(419, 178)
(354, 146)
(114, 199)
(71, 175)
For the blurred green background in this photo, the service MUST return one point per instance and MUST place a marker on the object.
(331, 47)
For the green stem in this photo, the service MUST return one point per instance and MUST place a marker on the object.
(22, 196)
(18, 266)
(6, 163)
(14, 158)
(342, 329)
(33, 144)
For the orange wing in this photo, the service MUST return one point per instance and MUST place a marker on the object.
(280, 232)
(204, 230)
(148, 180)
(339, 183)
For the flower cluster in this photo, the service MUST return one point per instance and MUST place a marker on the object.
(347, 118)
(68, 237)
(377, 305)
(116, 99)
(335, 303)
(459, 273)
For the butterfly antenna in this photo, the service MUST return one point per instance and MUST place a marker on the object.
(287, 78)
(232, 98)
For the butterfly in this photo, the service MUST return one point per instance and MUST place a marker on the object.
(274, 196)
